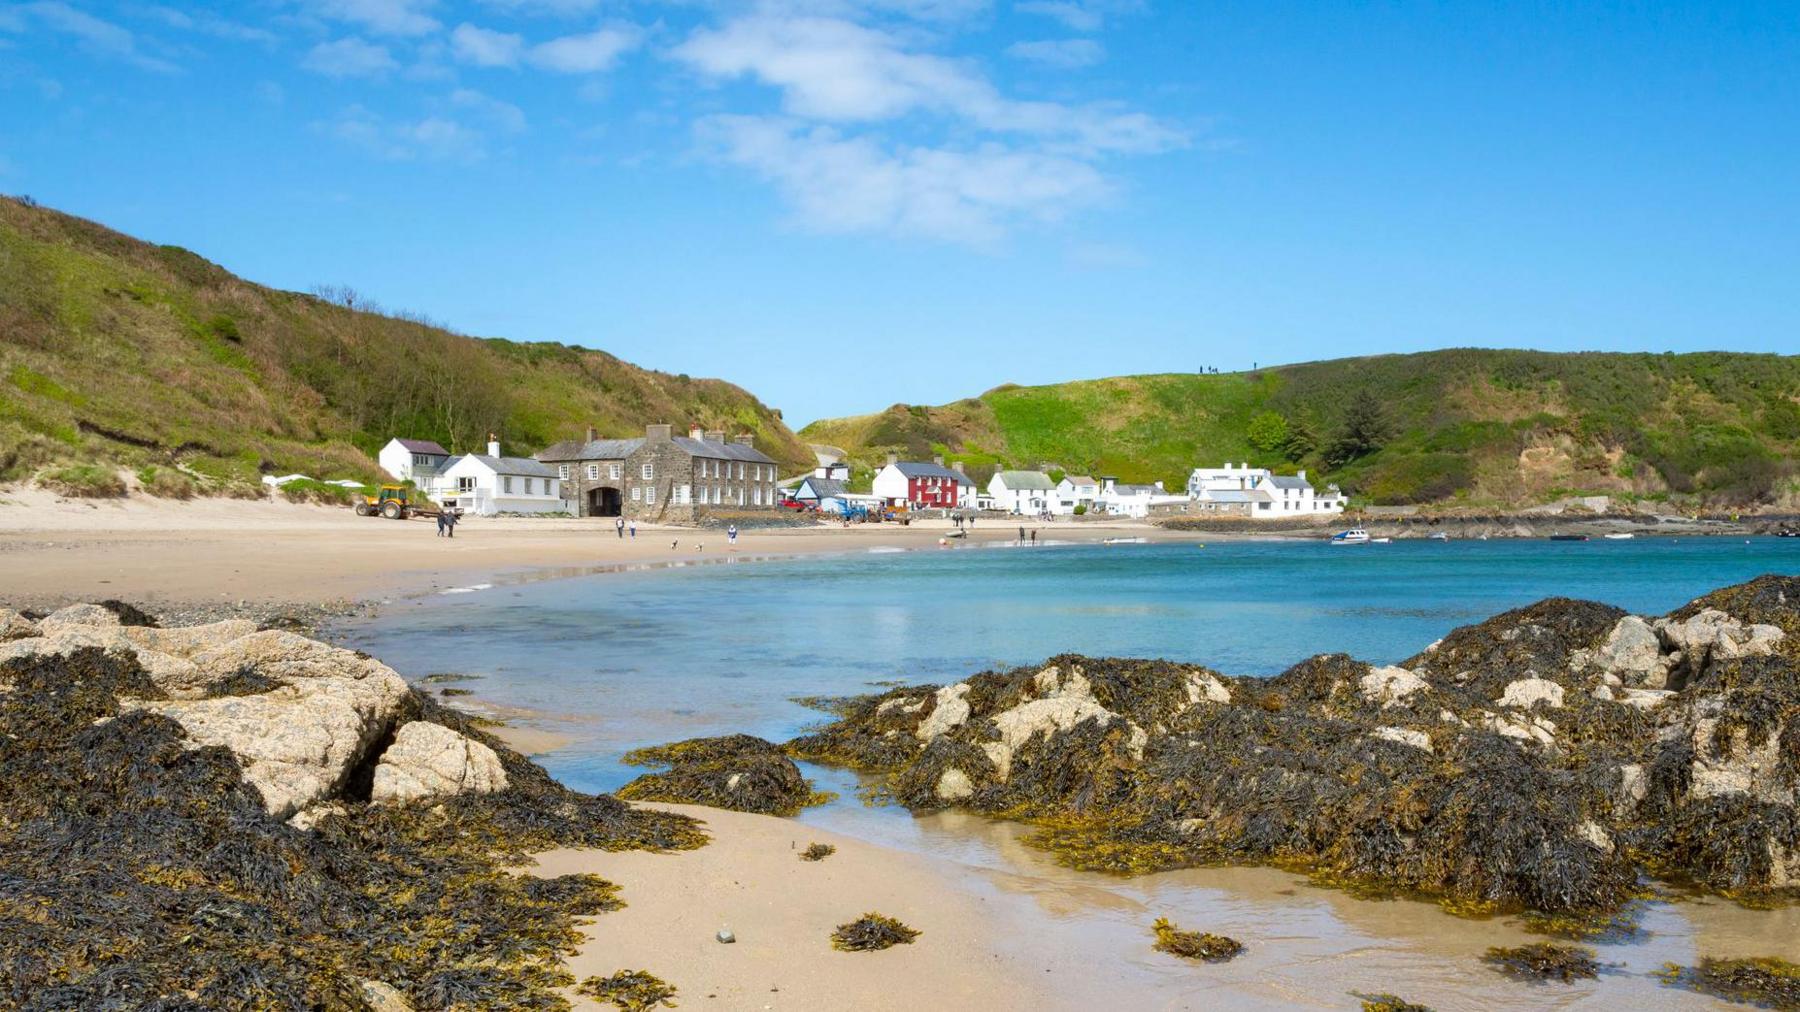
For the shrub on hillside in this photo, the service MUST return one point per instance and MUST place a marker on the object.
(166, 483)
(308, 490)
(86, 481)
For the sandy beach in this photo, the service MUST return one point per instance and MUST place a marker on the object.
(56, 550)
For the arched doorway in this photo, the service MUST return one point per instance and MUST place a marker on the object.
(605, 502)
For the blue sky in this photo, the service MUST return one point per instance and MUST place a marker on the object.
(842, 204)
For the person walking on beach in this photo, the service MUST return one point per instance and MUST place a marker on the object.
(634, 529)
(731, 535)
(619, 524)
(440, 520)
(449, 523)
(1021, 533)
(1034, 535)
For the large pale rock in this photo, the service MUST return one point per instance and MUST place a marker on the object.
(1390, 686)
(14, 626)
(1528, 692)
(1633, 654)
(429, 760)
(384, 997)
(78, 615)
(1712, 636)
(949, 713)
(954, 785)
(1204, 686)
(1404, 736)
(1038, 716)
(1739, 768)
(66, 640)
(187, 641)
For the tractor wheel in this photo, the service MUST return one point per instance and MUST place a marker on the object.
(393, 511)
(363, 509)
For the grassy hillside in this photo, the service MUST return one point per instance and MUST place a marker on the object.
(1476, 427)
(116, 352)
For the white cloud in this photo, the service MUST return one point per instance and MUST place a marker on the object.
(585, 54)
(383, 17)
(207, 23)
(485, 48)
(1081, 17)
(98, 38)
(434, 137)
(349, 57)
(834, 70)
(548, 8)
(499, 114)
(854, 184)
(1068, 54)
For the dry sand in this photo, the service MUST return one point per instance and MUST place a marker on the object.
(55, 550)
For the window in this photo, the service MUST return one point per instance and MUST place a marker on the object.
(756, 496)
(465, 484)
(649, 471)
(506, 484)
(701, 497)
(562, 471)
(740, 471)
(615, 471)
(637, 493)
(681, 495)
(650, 494)
(593, 472)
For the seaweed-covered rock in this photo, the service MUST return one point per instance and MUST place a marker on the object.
(631, 990)
(429, 760)
(1543, 961)
(1542, 760)
(139, 869)
(871, 932)
(738, 772)
(1200, 945)
(1765, 983)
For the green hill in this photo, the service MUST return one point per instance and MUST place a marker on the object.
(1482, 428)
(119, 353)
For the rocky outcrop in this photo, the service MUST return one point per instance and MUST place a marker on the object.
(737, 772)
(431, 761)
(14, 626)
(1544, 759)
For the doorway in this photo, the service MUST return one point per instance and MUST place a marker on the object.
(605, 502)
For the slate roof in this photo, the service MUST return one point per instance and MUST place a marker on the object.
(1236, 495)
(723, 451)
(1122, 489)
(598, 449)
(825, 488)
(1288, 481)
(1020, 480)
(913, 469)
(1079, 479)
(422, 446)
(508, 465)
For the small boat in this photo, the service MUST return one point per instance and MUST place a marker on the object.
(1353, 536)
(1438, 536)
(1381, 541)
(1568, 537)
(1788, 532)
(1621, 536)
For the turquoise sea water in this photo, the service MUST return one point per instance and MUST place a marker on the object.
(628, 658)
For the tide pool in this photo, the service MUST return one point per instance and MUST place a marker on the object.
(616, 660)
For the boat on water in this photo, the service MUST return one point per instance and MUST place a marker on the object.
(1438, 536)
(1620, 536)
(1568, 537)
(1353, 536)
(1381, 541)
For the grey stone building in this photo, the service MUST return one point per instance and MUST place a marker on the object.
(662, 476)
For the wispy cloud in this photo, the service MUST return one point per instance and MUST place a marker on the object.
(586, 54)
(97, 37)
(496, 113)
(1080, 15)
(433, 137)
(485, 48)
(840, 183)
(1067, 54)
(207, 23)
(349, 57)
(546, 8)
(383, 17)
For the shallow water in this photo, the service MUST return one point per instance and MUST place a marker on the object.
(619, 659)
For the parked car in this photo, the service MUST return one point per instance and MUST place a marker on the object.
(796, 505)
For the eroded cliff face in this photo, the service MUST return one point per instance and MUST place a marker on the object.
(1541, 760)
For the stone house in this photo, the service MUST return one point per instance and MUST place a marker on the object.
(661, 476)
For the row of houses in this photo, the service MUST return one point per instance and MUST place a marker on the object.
(659, 476)
(662, 476)
(1240, 490)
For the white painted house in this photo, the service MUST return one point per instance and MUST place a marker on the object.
(419, 461)
(1260, 493)
(1124, 500)
(487, 483)
(1026, 493)
(1078, 490)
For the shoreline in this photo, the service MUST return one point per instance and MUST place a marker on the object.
(210, 557)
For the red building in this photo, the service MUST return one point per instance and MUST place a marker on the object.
(923, 486)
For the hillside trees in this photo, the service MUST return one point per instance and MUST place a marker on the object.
(1365, 428)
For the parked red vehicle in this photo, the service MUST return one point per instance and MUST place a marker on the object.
(795, 505)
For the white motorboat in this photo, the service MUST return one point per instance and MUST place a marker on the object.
(1353, 536)
(1621, 536)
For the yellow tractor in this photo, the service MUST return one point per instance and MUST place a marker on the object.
(388, 501)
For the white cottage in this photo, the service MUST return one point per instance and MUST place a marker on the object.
(1026, 493)
(489, 483)
(1268, 496)
(1124, 500)
(1078, 490)
(419, 461)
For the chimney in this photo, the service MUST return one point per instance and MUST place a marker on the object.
(715, 435)
(938, 460)
(744, 439)
(893, 458)
(659, 433)
(696, 432)
(1302, 474)
(592, 435)
(493, 445)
